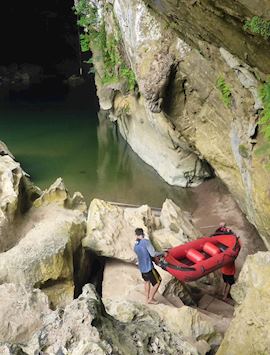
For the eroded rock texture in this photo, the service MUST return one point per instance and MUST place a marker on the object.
(249, 330)
(179, 117)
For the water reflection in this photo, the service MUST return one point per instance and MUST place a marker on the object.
(125, 177)
(64, 137)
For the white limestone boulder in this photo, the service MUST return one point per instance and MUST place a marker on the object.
(110, 229)
(255, 274)
(57, 193)
(44, 255)
(176, 227)
(16, 195)
(21, 312)
(249, 330)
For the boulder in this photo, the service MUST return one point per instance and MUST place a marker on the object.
(110, 229)
(176, 227)
(21, 312)
(4, 150)
(44, 255)
(16, 196)
(58, 193)
(254, 275)
(186, 322)
(249, 330)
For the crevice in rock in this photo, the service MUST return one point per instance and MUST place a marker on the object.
(167, 100)
(49, 283)
(88, 268)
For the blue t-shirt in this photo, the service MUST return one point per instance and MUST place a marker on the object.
(145, 250)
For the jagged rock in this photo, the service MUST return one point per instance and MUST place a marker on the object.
(175, 288)
(110, 229)
(249, 330)
(57, 193)
(4, 150)
(16, 196)
(85, 326)
(188, 323)
(254, 275)
(21, 312)
(10, 177)
(44, 255)
(176, 227)
(11, 349)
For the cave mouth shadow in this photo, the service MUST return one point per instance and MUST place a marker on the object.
(88, 268)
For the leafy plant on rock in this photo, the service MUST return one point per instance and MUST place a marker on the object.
(95, 37)
(264, 121)
(259, 26)
(225, 91)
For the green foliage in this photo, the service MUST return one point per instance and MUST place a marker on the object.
(128, 73)
(225, 91)
(95, 36)
(258, 25)
(264, 121)
(85, 42)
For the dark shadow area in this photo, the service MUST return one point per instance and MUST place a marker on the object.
(88, 268)
(40, 32)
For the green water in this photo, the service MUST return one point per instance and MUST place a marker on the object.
(61, 135)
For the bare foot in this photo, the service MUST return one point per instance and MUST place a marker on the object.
(153, 301)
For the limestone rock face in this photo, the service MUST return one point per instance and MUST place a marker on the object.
(178, 58)
(176, 227)
(197, 109)
(253, 275)
(175, 319)
(44, 255)
(249, 330)
(57, 193)
(21, 312)
(228, 17)
(110, 229)
(141, 121)
(171, 157)
(84, 327)
(4, 150)
(16, 195)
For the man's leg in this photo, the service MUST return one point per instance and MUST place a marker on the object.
(147, 290)
(153, 291)
(227, 290)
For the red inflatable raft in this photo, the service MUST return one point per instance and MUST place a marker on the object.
(198, 258)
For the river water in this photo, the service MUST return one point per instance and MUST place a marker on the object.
(54, 130)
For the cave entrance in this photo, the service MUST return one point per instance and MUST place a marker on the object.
(41, 32)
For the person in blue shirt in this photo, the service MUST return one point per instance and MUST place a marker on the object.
(145, 252)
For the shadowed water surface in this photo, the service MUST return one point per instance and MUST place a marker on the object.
(55, 131)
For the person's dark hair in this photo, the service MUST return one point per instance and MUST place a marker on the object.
(139, 231)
